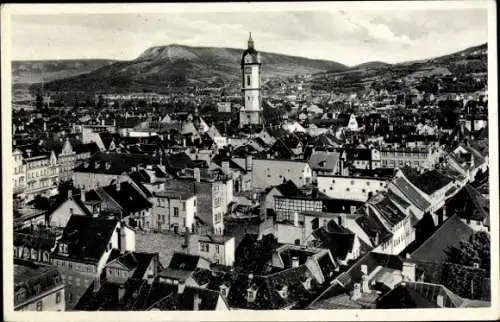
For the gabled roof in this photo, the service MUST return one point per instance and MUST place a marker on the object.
(129, 199)
(339, 240)
(87, 237)
(320, 160)
(450, 234)
(289, 188)
(411, 193)
(141, 296)
(430, 181)
(184, 261)
(136, 261)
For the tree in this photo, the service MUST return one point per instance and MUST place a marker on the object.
(474, 251)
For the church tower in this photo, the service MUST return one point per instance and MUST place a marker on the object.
(251, 112)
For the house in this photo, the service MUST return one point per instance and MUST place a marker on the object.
(468, 161)
(436, 188)
(74, 205)
(84, 249)
(140, 295)
(186, 268)
(272, 172)
(472, 208)
(362, 284)
(419, 157)
(102, 168)
(174, 210)
(36, 172)
(361, 158)
(71, 154)
(287, 188)
(214, 192)
(37, 287)
(19, 175)
(123, 201)
(356, 188)
(125, 265)
(422, 295)
(35, 246)
(217, 249)
(325, 163)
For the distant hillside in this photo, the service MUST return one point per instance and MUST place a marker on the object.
(33, 71)
(370, 65)
(177, 66)
(470, 61)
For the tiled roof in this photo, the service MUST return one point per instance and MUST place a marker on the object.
(184, 261)
(451, 233)
(87, 237)
(141, 296)
(34, 279)
(431, 181)
(411, 193)
(320, 160)
(129, 199)
(372, 226)
(117, 162)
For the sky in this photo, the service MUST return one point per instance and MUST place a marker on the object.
(349, 37)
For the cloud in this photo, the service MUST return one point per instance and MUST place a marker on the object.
(347, 36)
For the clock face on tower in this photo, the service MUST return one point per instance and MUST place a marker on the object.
(248, 59)
(248, 70)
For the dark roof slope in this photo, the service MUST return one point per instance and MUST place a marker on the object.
(87, 237)
(430, 181)
(451, 232)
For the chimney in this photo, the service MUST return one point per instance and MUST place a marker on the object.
(181, 286)
(377, 239)
(121, 292)
(184, 142)
(196, 174)
(356, 294)
(365, 286)
(118, 186)
(408, 271)
(45, 126)
(82, 195)
(295, 261)
(70, 193)
(339, 221)
(248, 163)
(296, 219)
(196, 302)
(103, 123)
(225, 167)
(440, 300)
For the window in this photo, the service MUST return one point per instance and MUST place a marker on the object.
(58, 297)
(248, 80)
(39, 306)
(217, 249)
(176, 212)
(204, 247)
(184, 206)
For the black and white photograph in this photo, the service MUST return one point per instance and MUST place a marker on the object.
(330, 159)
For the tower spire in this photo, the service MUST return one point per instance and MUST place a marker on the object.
(250, 41)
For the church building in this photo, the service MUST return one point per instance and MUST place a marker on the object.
(251, 112)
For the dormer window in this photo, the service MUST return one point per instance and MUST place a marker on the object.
(63, 248)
